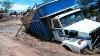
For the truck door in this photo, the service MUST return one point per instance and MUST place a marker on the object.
(57, 30)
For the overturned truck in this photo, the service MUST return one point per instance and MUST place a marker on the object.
(65, 23)
(75, 31)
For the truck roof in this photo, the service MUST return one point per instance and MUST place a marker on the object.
(65, 14)
(86, 26)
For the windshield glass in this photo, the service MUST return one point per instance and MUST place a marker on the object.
(72, 18)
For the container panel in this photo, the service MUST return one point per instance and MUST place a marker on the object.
(35, 17)
(40, 29)
(55, 6)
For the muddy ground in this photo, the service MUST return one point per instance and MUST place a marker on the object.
(28, 45)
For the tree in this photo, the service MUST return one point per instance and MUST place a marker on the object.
(89, 7)
(1, 10)
(6, 5)
(98, 4)
(84, 3)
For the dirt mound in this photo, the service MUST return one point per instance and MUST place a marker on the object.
(50, 48)
(45, 48)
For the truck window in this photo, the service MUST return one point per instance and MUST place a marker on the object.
(72, 18)
(56, 24)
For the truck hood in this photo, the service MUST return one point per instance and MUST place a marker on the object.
(84, 27)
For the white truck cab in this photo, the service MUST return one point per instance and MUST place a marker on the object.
(60, 22)
(73, 30)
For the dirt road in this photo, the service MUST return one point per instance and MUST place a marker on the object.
(10, 47)
(26, 45)
(14, 48)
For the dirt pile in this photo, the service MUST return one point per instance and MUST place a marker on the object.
(50, 48)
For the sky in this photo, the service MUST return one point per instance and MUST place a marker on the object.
(23, 4)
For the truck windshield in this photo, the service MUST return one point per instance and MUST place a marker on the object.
(72, 18)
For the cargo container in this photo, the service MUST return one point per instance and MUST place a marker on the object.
(40, 25)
